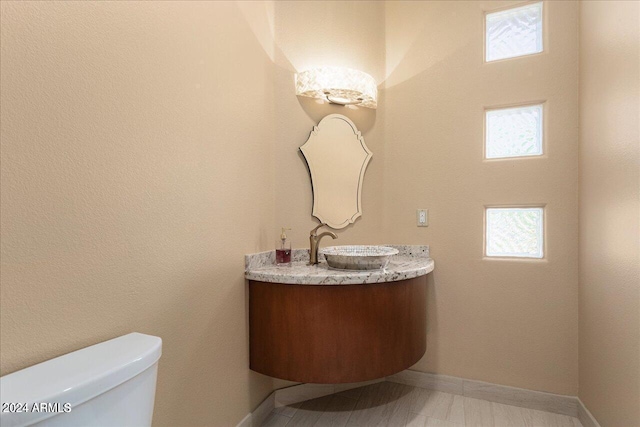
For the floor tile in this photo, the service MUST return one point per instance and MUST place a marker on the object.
(352, 393)
(440, 405)
(400, 413)
(288, 410)
(434, 422)
(535, 418)
(456, 412)
(337, 412)
(388, 402)
(508, 416)
(419, 400)
(276, 420)
(368, 409)
(310, 411)
(477, 413)
(416, 420)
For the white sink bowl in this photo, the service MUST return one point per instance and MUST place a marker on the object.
(358, 257)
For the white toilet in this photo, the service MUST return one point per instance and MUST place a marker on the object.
(111, 384)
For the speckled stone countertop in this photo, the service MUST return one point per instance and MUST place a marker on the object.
(411, 261)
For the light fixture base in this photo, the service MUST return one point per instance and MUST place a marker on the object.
(341, 100)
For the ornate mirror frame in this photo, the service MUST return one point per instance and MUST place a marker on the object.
(337, 158)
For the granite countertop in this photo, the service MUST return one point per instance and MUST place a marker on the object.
(410, 262)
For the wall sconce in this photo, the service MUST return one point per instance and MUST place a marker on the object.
(338, 85)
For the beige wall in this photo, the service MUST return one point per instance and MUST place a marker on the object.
(506, 322)
(137, 170)
(147, 146)
(610, 211)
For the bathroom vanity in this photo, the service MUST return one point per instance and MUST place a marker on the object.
(313, 324)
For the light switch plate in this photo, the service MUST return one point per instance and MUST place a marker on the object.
(422, 217)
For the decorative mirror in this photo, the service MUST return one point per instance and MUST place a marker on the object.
(337, 158)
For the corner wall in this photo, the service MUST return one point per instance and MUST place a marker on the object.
(511, 322)
(610, 211)
(137, 170)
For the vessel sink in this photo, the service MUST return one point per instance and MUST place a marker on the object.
(358, 257)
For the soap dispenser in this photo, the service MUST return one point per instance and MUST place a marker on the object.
(283, 249)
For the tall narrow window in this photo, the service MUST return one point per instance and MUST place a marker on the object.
(514, 132)
(514, 32)
(514, 232)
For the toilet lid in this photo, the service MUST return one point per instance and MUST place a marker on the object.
(78, 376)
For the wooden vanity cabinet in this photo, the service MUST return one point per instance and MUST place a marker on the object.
(336, 333)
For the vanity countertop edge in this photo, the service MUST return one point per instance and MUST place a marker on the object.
(411, 261)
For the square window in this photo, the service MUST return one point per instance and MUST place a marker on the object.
(514, 132)
(514, 232)
(514, 32)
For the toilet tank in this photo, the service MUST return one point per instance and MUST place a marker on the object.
(108, 384)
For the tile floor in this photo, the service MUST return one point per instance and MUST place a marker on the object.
(397, 405)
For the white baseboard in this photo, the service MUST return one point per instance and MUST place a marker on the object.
(445, 383)
(556, 403)
(585, 417)
(246, 421)
(260, 414)
(263, 410)
(549, 402)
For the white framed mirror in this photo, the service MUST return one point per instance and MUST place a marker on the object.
(337, 157)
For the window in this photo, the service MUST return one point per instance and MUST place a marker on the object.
(514, 32)
(514, 232)
(513, 132)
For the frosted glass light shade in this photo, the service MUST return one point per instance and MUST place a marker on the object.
(514, 132)
(514, 32)
(338, 85)
(514, 232)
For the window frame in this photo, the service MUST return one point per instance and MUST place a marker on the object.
(543, 31)
(543, 233)
(542, 129)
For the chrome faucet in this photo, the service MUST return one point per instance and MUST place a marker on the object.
(314, 241)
